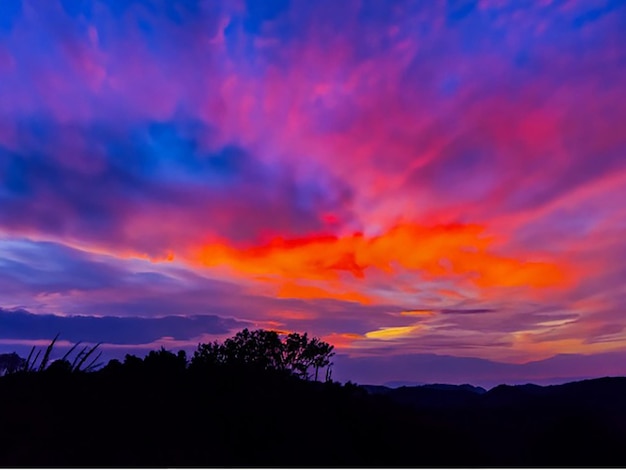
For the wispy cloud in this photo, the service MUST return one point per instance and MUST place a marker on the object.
(440, 176)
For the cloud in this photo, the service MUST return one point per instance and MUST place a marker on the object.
(21, 324)
(454, 251)
(322, 166)
(468, 311)
(433, 368)
(45, 277)
(113, 194)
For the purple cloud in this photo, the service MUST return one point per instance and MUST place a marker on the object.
(21, 324)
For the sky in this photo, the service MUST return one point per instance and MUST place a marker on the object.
(434, 187)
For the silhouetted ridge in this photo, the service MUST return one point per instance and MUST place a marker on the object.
(254, 401)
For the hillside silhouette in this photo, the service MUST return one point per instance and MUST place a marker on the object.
(254, 400)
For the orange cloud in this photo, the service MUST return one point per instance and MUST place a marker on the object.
(322, 264)
(292, 290)
(342, 340)
(417, 313)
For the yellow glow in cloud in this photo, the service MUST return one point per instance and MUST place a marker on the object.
(392, 333)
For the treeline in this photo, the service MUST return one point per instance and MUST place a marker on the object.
(253, 401)
(247, 351)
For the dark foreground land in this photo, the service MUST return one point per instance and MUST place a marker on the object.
(166, 414)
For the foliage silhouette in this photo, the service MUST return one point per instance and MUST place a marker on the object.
(266, 350)
(78, 365)
(248, 402)
(46, 356)
(10, 363)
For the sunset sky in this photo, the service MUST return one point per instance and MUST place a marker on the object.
(438, 188)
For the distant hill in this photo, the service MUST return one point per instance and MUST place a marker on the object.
(602, 392)
(429, 395)
(579, 423)
(435, 368)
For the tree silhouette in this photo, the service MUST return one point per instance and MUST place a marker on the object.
(259, 348)
(207, 355)
(295, 354)
(164, 361)
(301, 354)
(266, 350)
(320, 353)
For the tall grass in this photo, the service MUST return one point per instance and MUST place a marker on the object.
(78, 364)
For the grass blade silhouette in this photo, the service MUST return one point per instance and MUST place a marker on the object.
(46, 356)
(67, 354)
(32, 366)
(26, 365)
(91, 365)
(86, 356)
(78, 357)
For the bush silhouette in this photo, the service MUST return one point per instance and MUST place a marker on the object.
(10, 363)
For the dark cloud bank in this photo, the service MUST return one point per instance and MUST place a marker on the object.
(23, 325)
